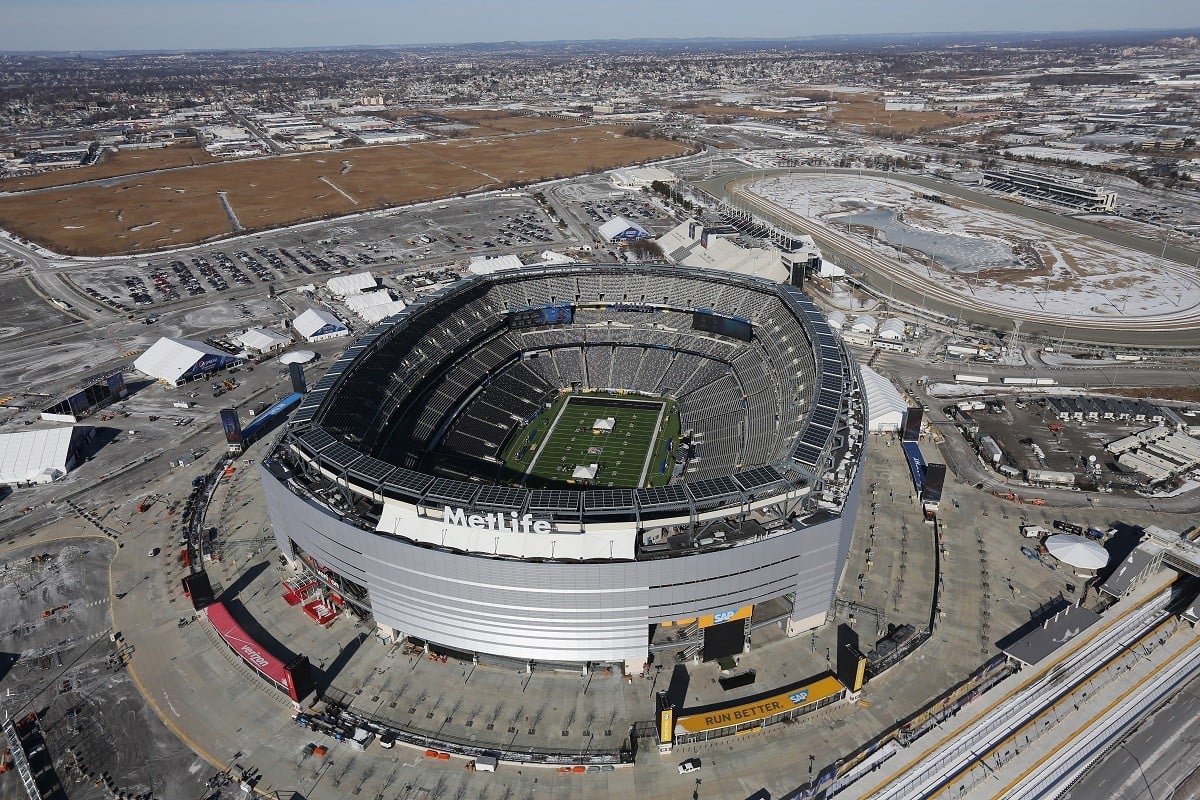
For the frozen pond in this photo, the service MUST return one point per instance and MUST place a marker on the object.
(954, 252)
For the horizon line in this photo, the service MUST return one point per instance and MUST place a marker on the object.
(1065, 33)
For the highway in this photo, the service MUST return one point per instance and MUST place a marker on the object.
(1153, 760)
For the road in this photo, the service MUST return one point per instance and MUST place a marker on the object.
(1155, 760)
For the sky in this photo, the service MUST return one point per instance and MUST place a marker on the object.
(234, 24)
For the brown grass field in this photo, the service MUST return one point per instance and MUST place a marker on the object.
(867, 110)
(493, 122)
(848, 109)
(1190, 394)
(125, 162)
(148, 212)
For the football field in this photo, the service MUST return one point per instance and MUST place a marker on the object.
(574, 433)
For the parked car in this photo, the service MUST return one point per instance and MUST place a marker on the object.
(691, 765)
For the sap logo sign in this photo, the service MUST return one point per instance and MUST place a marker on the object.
(723, 616)
(798, 697)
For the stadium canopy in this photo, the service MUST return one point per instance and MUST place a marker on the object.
(263, 340)
(346, 285)
(619, 229)
(885, 406)
(1078, 552)
(585, 472)
(39, 456)
(174, 361)
(317, 324)
(297, 357)
(482, 265)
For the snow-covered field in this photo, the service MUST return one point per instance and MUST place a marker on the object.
(1092, 157)
(1056, 272)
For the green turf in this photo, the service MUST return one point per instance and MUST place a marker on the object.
(547, 451)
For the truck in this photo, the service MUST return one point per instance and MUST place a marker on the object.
(1020, 381)
(971, 378)
(182, 404)
(1050, 477)
(486, 763)
(360, 738)
(931, 490)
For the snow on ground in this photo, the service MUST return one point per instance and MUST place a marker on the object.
(1068, 360)
(1092, 157)
(1059, 272)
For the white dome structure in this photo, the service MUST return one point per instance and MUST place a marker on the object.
(1077, 552)
(865, 324)
(297, 357)
(836, 320)
(892, 330)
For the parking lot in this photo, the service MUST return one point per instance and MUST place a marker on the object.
(1032, 438)
(61, 664)
(595, 201)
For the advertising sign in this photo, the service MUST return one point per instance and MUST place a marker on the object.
(231, 425)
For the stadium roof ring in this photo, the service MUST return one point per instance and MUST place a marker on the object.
(394, 478)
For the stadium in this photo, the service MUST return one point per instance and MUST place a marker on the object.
(547, 464)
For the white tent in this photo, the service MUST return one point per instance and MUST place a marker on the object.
(836, 320)
(317, 324)
(586, 473)
(1078, 552)
(357, 302)
(864, 324)
(297, 357)
(373, 314)
(892, 330)
(555, 257)
(346, 285)
(263, 340)
(620, 229)
(885, 406)
(38, 456)
(482, 265)
(176, 360)
(606, 425)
